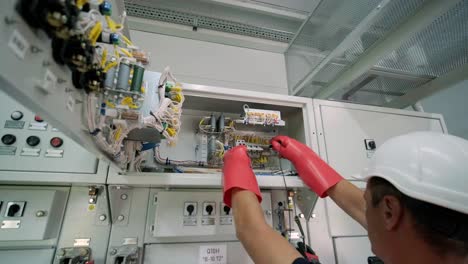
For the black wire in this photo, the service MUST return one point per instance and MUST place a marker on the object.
(287, 199)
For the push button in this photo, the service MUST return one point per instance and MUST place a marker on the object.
(17, 115)
(56, 142)
(33, 141)
(8, 139)
(38, 119)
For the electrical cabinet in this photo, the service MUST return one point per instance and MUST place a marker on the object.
(201, 102)
(349, 134)
(352, 250)
(86, 227)
(34, 151)
(29, 143)
(30, 222)
(341, 224)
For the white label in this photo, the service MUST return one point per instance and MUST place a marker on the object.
(81, 242)
(212, 254)
(8, 224)
(49, 81)
(227, 220)
(70, 103)
(18, 44)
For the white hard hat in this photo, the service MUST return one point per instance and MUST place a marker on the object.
(428, 166)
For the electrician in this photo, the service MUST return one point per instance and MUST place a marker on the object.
(415, 206)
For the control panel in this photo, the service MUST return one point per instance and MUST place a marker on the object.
(31, 213)
(29, 143)
(197, 213)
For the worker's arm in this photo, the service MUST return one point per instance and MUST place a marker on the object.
(263, 244)
(322, 178)
(242, 194)
(351, 199)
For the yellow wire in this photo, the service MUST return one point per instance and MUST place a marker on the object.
(126, 40)
(111, 24)
(110, 65)
(117, 55)
(126, 52)
(104, 58)
(95, 32)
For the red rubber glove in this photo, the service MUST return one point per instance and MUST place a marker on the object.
(315, 172)
(238, 174)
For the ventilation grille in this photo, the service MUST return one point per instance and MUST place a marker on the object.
(205, 22)
(436, 50)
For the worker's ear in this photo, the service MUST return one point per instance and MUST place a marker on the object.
(392, 210)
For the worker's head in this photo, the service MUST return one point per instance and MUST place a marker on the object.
(393, 217)
(417, 195)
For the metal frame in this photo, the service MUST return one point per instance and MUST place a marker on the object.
(362, 27)
(432, 87)
(200, 21)
(424, 17)
(307, 19)
(170, 29)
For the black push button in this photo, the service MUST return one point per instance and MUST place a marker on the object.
(8, 139)
(33, 141)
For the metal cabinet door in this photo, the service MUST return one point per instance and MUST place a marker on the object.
(343, 128)
(352, 250)
(27, 256)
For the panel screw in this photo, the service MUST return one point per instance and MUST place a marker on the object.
(84, 252)
(40, 213)
(102, 217)
(9, 21)
(120, 218)
(113, 251)
(35, 49)
(124, 196)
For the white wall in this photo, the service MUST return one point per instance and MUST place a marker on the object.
(452, 103)
(212, 64)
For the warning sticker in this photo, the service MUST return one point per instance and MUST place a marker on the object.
(212, 254)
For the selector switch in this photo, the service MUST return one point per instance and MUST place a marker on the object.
(8, 139)
(12, 210)
(17, 115)
(15, 209)
(370, 144)
(56, 142)
(33, 141)
(209, 208)
(226, 210)
(190, 209)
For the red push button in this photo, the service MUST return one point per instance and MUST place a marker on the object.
(38, 118)
(56, 142)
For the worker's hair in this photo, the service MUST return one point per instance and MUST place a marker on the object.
(444, 229)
